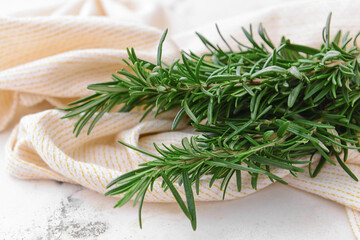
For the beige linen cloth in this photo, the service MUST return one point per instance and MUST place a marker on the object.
(54, 58)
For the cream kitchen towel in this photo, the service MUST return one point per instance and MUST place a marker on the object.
(54, 58)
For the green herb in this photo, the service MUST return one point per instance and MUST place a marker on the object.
(257, 108)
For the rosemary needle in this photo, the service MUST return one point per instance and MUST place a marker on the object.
(257, 108)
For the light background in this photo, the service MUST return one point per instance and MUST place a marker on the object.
(51, 210)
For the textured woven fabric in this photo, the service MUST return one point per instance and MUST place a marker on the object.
(54, 58)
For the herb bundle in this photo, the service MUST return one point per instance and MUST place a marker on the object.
(256, 108)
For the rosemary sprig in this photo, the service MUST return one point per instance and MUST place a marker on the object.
(257, 108)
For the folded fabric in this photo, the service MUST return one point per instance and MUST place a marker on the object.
(55, 58)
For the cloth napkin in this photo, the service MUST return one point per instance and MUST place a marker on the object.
(53, 58)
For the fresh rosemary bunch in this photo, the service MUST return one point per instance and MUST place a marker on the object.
(256, 108)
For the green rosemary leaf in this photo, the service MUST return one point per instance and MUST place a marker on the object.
(106, 89)
(294, 94)
(140, 208)
(85, 99)
(225, 182)
(295, 72)
(87, 106)
(238, 130)
(268, 134)
(188, 111)
(177, 196)
(129, 194)
(274, 163)
(159, 53)
(329, 55)
(281, 130)
(313, 123)
(327, 31)
(347, 170)
(238, 180)
(319, 166)
(265, 37)
(314, 90)
(178, 118)
(240, 167)
(271, 69)
(250, 37)
(246, 87)
(323, 154)
(303, 49)
(189, 198)
(140, 150)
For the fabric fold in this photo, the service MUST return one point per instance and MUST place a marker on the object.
(55, 59)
